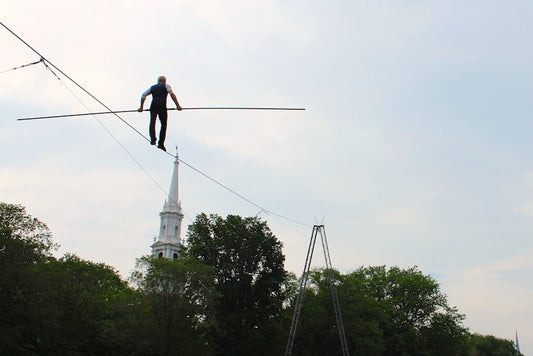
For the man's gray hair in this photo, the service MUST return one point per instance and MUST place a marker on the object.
(161, 79)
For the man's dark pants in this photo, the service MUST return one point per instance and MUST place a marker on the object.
(162, 113)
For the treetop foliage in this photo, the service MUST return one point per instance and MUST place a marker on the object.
(229, 294)
(15, 221)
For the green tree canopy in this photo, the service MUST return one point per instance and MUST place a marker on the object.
(488, 345)
(19, 225)
(24, 242)
(386, 311)
(77, 302)
(248, 264)
(179, 300)
(230, 295)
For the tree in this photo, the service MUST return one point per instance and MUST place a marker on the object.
(488, 345)
(317, 332)
(50, 306)
(24, 242)
(77, 300)
(178, 299)
(19, 225)
(230, 295)
(414, 306)
(248, 264)
(385, 312)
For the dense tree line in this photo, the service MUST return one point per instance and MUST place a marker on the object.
(228, 294)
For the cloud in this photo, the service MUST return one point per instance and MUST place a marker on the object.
(495, 296)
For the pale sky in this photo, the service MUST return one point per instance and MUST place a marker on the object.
(414, 148)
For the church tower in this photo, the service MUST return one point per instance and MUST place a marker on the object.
(168, 243)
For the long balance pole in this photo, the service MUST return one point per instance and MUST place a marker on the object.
(126, 111)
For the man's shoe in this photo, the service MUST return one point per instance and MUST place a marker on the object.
(162, 147)
(153, 141)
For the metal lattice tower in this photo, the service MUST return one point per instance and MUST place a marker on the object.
(317, 229)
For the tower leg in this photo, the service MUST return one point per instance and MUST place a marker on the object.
(317, 229)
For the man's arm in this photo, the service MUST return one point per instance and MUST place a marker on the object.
(175, 99)
(143, 98)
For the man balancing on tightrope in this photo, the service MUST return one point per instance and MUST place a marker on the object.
(159, 108)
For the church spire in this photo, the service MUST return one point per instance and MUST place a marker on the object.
(517, 344)
(173, 193)
(168, 243)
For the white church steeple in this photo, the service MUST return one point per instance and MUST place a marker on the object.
(168, 243)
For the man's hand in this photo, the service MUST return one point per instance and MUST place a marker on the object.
(179, 108)
(140, 109)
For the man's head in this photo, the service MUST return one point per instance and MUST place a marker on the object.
(161, 79)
